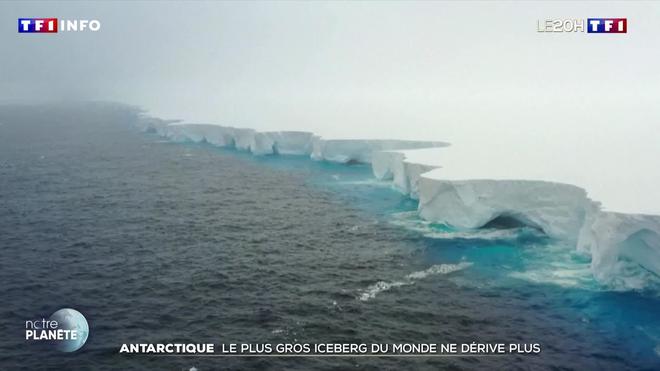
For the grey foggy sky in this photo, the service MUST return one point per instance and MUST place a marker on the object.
(569, 107)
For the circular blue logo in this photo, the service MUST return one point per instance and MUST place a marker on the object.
(71, 319)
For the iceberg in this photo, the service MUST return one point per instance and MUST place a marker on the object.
(280, 142)
(258, 143)
(624, 247)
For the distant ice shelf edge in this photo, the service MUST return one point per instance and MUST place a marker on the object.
(624, 248)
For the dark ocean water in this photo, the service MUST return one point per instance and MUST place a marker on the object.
(162, 242)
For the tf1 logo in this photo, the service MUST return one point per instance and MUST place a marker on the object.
(53, 25)
(590, 25)
(607, 25)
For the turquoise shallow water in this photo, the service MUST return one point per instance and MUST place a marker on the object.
(155, 241)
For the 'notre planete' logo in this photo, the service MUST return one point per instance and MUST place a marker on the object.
(66, 330)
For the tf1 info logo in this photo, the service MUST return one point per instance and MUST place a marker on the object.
(591, 25)
(53, 25)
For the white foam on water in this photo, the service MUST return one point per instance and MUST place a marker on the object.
(557, 264)
(381, 286)
(438, 269)
(578, 276)
(486, 234)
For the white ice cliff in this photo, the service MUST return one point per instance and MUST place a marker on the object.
(281, 142)
(556, 209)
(621, 243)
(624, 247)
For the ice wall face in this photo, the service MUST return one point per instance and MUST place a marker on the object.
(244, 139)
(220, 136)
(557, 209)
(412, 177)
(292, 142)
(624, 248)
(405, 176)
(282, 142)
(386, 163)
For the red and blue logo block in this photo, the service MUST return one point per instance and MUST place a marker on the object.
(37, 25)
(607, 25)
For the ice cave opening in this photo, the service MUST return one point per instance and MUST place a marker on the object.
(510, 221)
